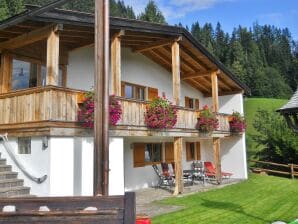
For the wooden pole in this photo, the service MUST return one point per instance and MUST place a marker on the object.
(5, 73)
(217, 160)
(178, 165)
(101, 89)
(214, 91)
(52, 59)
(292, 170)
(176, 72)
(116, 65)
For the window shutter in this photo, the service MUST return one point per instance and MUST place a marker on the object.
(152, 93)
(198, 151)
(187, 102)
(188, 152)
(123, 89)
(139, 155)
(169, 152)
(197, 104)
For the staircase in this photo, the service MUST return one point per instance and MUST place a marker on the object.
(10, 185)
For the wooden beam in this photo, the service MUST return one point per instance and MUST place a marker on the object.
(178, 165)
(199, 85)
(176, 72)
(214, 82)
(196, 75)
(116, 64)
(5, 73)
(52, 59)
(156, 44)
(101, 89)
(217, 160)
(29, 38)
(225, 93)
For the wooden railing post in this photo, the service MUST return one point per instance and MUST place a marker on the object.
(176, 72)
(292, 170)
(178, 165)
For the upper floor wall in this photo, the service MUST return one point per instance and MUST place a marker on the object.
(140, 70)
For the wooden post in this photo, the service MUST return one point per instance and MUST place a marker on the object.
(214, 91)
(116, 65)
(5, 73)
(53, 59)
(292, 170)
(217, 160)
(101, 89)
(178, 165)
(176, 72)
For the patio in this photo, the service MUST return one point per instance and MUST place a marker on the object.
(147, 199)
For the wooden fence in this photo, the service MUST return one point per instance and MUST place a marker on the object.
(66, 210)
(291, 167)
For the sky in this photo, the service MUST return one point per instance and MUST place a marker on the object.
(230, 13)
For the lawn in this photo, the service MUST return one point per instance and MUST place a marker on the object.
(261, 199)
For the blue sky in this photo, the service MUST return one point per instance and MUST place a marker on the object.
(230, 13)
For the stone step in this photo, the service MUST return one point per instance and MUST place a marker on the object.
(4, 168)
(8, 175)
(14, 191)
(11, 183)
(2, 161)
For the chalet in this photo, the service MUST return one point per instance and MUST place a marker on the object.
(47, 63)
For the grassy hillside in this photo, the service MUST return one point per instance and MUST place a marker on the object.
(251, 106)
(259, 200)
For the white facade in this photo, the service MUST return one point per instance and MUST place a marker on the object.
(68, 161)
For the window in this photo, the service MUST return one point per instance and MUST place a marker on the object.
(133, 91)
(24, 145)
(193, 151)
(147, 153)
(24, 75)
(192, 103)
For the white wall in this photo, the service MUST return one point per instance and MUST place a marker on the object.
(37, 164)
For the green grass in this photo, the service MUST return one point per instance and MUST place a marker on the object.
(261, 199)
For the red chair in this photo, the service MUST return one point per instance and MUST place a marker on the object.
(210, 171)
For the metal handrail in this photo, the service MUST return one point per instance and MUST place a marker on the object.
(9, 150)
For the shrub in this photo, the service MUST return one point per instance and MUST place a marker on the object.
(207, 121)
(160, 114)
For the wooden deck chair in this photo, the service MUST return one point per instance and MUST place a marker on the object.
(210, 171)
(163, 180)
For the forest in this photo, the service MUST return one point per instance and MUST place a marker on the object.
(264, 57)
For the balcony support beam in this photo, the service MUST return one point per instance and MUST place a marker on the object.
(116, 63)
(5, 73)
(217, 159)
(214, 80)
(178, 143)
(176, 72)
(53, 59)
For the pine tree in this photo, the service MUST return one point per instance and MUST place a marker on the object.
(3, 10)
(14, 6)
(152, 14)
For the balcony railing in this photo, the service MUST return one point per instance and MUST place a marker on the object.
(133, 116)
(39, 104)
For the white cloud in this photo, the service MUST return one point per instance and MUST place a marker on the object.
(173, 9)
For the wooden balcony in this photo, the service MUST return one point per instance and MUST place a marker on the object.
(132, 122)
(39, 111)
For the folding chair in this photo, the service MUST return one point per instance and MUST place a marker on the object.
(164, 180)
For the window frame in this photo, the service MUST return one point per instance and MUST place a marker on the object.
(24, 150)
(141, 162)
(135, 91)
(196, 155)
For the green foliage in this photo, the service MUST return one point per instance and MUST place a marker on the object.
(14, 6)
(279, 143)
(152, 14)
(3, 10)
(259, 200)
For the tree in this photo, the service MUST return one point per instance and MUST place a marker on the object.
(14, 6)
(279, 143)
(3, 10)
(152, 14)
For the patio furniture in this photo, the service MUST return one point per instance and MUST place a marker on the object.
(187, 174)
(210, 171)
(198, 170)
(164, 180)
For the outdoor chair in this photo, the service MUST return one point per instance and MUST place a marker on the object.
(187, 177)
(164, 180)
(210, 171)
(198, 170)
